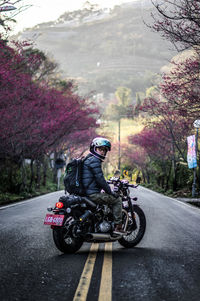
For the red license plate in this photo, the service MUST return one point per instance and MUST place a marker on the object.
(54, 219)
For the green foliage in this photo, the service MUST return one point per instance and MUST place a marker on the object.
(12, 188)
(10, 177)
(184, 176)
(151, 91)
(121, 109)
(116, 112)
(123, 96)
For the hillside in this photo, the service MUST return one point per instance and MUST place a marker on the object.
(104, 49)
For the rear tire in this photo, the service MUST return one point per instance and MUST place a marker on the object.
(66, 243)
(134, 236)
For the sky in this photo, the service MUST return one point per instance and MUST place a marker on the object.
(49, 10)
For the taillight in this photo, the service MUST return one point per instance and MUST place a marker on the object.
(59, 205)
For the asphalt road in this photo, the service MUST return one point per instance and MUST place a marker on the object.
(164, 266)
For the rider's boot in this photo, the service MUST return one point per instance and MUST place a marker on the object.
(119, 230)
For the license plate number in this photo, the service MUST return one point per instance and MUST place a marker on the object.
(54, 219)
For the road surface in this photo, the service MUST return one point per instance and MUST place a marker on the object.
(164, 266)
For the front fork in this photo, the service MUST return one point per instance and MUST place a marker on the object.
(132, 213)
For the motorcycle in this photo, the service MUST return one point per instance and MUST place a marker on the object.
(76, 219)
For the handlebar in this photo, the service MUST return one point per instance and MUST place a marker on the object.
(123, 182)
(109, 182)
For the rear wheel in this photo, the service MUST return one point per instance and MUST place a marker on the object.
(64, 242)
(134, 236)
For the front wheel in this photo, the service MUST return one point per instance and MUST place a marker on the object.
(134, 236)
(66, 243)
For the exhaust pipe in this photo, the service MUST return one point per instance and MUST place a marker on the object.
(103, 237)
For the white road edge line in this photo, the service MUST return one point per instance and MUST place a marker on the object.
(175, 200)
(27, 201)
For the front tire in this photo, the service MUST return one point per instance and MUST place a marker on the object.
(65, 243)
(134, 236)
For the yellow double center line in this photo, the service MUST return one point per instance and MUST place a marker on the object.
(105, 292)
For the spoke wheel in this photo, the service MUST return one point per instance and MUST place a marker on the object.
(134, 236)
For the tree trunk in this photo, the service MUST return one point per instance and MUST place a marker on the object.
(44, 171)
(175, 180)
(23, 175)
(55, 169)
(32, 175)
(148, 177)
(174, 168)
(144, 176)
(168, 177)
(163, 176)
(158, 180)
(38, 173)
(10, 170)
(198, 168)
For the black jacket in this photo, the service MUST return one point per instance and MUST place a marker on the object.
(92, 176)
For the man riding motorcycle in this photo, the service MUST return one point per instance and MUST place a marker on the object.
(93, 180)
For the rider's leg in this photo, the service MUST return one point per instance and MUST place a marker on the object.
(104, 198)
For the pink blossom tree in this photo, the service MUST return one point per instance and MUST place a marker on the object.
(164, 138)
(35, 118)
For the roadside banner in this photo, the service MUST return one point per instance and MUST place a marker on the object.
(191, 155)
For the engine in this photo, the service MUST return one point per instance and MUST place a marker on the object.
(104, 227)
(103, 218)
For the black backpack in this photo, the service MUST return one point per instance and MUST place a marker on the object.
(72, 178)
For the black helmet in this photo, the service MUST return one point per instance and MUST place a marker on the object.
(97, 142)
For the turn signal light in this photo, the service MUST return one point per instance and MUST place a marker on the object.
(59, 205)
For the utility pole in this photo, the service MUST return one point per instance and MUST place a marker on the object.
(119, 146)
(197, 126)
